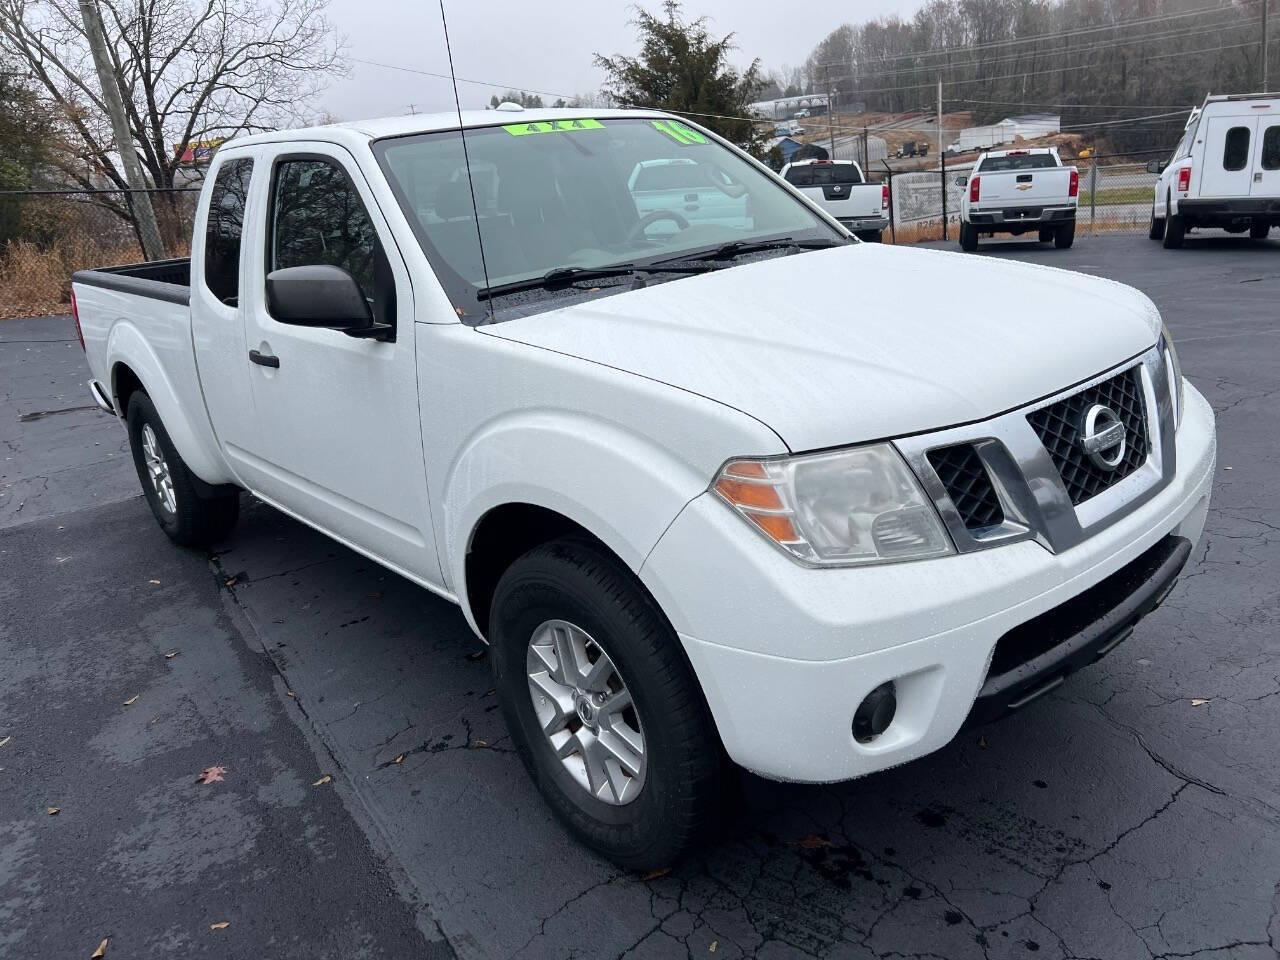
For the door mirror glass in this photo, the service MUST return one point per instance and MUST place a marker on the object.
(962, 181)
(317, 295)
(1155, 166)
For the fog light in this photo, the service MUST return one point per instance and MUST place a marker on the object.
(875, 713)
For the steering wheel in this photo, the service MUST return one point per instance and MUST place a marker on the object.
(657, 216)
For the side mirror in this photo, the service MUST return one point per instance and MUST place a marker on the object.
(317, 295)
(962, 181)
(1155, 166)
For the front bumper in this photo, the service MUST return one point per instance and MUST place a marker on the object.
(785, 653)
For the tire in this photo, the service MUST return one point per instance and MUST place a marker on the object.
(1156, 230)
(1064, 236)
(968, 237)
(1175, 228)
(1047, 234)
(870, 236)
(1259, 231)
(189, 518)
(574, 591)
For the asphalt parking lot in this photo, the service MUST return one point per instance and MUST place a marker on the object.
(1134, 812)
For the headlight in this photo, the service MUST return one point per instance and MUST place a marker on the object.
(1173, 370)
(861, 505)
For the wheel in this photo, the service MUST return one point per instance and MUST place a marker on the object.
(869, 236)
(1156, 230)
(1046, 234)
(968, 237)
(1065, 235)
(1175, 228)
(1259, 231)
(171, 489)
(602, 705)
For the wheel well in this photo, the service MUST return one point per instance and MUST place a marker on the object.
(504, 534)
(124, 382)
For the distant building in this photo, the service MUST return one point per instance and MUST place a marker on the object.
(1029, 126)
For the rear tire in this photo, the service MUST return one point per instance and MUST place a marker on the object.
(171, 489)
(1064, 236)
(1156, 230)
(1259, 231)
(1175, 228)
(968, 237)
(578, 598)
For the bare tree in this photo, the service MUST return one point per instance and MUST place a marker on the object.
(188, 72)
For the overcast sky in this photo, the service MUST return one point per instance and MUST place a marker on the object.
(544, 45)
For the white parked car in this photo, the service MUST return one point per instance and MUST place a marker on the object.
(700, 499)
(1019, 191)
(1224, 172)
(839, 187)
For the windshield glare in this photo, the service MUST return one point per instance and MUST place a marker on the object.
(579, 193)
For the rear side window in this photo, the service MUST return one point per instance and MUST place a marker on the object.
(823, 174)
(1271, 149)
(224, 228)
(317, 217)
(1235, 150)
(1024, 161)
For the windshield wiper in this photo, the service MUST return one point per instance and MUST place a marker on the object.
(736, 248)
(561, 278)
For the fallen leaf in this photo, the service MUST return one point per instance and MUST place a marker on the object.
(52, 811)
(1199, 702)
(477, 655)
(220, 925)
(5, 740)
(322, 781)
(1228, 468)
(399, 759)
(982, 743)
(712, 948)
(152, 581)
(813, 842)
(655, 874)
(231, 582)
(171, 654)
(292, 694)
(132, 700)
(101, 951)
(211, 774)
(480, 743)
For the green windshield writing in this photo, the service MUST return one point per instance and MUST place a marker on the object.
(551, 126)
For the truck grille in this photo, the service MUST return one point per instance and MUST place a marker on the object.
(1059, 425)
(968, 485)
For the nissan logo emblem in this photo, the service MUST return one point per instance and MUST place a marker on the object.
(1102, 437)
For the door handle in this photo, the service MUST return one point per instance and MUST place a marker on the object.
(263, 359)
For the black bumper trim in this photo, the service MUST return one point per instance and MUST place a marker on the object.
(1099, 619)
(1231, 207)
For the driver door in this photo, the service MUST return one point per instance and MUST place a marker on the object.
(337, 440)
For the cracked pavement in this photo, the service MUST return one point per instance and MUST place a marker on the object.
(1113, 819)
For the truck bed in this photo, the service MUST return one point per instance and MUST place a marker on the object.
(168, 280)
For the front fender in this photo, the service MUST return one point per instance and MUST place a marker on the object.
(622, 487)
(180, 408)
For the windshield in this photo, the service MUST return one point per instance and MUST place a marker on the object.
(579, 193)
(823, 174)
(1019, 161)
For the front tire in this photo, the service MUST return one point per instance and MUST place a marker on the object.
(1064, 236)
(187, 517)
(1259, 231)
(1047, 234)
(602, 705)
(1175, 227)
(968, 237)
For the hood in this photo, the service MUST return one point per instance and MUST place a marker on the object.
(859, 343)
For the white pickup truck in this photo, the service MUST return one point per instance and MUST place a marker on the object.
(840, 188)
(1224, 172)
(699, 501)
(1016, 192)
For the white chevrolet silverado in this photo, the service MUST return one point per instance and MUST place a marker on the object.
(1019, 191)
(706, 491)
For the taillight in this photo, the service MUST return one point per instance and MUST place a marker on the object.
(884, 196)
(1074, 189)
(1184, 178)
(973, 189)
(75, 315)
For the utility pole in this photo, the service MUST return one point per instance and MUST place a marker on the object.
(831, 111)
(1265, 4)
(140, 199)
(940, 118)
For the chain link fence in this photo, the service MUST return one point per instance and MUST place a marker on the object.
(46, 235)
(1115, 197)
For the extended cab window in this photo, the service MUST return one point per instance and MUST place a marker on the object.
(223, 229)
(317, 217)
(1235, 150)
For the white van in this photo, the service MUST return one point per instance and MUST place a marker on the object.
(1225, 172)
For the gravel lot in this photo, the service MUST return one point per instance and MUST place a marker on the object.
(1114, 819)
